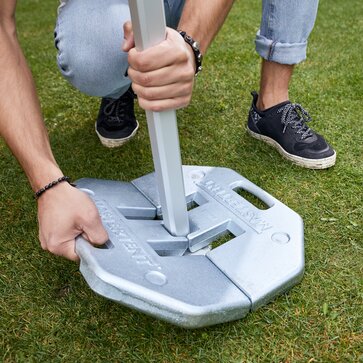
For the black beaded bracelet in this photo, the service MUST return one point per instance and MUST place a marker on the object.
(196, 50)
(38, 193)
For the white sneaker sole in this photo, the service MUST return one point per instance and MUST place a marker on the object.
(111, 143)
(298, 160)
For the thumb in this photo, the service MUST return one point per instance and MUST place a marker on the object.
(129, 41)
(94, 232)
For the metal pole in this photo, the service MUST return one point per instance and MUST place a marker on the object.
(148, 22)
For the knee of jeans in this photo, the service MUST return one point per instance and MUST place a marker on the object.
(92, 75)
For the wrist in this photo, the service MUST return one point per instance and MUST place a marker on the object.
(58, 192)
(195, 49)
(54, 183)
(44, 175)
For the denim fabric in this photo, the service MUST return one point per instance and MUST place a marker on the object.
(285, 28)
(89, 36)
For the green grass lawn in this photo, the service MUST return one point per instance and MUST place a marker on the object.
(47, 311)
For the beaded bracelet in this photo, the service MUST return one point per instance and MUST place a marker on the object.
(38, 193)
(196, 50)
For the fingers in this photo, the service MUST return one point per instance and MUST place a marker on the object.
(172, 50)
(170, 96)
(166, 104)
(64, 213)
(162, 55)
(163, 76)
(64, 249)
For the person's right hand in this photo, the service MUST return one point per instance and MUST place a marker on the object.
(64, 213)
(162, 76)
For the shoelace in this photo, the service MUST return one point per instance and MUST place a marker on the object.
(110, 107)
(115, 107)
(294, 115)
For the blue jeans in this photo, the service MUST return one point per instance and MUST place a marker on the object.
(285, 28)
(89, 35)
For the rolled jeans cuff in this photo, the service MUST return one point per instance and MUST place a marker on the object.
(283, 53)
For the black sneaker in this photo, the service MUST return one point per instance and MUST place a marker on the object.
(284, 127)
(116, 122)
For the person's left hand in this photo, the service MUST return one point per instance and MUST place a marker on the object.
(163, 75)
(64, 213)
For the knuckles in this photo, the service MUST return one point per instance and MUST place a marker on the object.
(138, 61)
(145, 80)
(147, 93)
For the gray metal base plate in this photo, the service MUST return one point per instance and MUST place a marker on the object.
(181, 279)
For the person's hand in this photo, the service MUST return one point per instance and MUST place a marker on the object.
(162, 76)
(64, 213)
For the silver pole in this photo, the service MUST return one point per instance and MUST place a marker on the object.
(148, 22)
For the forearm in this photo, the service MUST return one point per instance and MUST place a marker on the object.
(64, 212)
(202, 19)
(21, 123)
